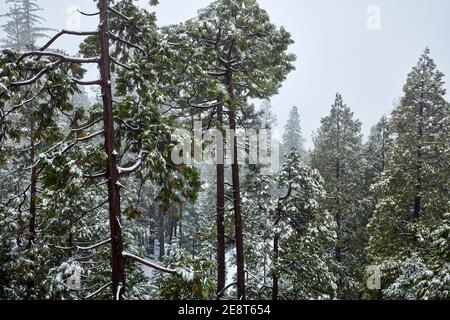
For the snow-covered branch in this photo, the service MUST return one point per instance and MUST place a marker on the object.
(84, 213)
(124, 17)
(222, 292)
(95, 175)
(95, 134)
(59, 56)
(128, 43)
(135, 166)
(120, 14)
(205, 105)
(126, 124)
(14, 108)
(87, 83)
(216, 74)
(69, 32)
(98, 291)
(120, 64)
(37, 76)
(80, 248)
(87, 126)
(148, 263)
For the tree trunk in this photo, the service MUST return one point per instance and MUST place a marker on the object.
(171, 229)
(220, 207)
(181, 228)
(418, 197)
(161, 236)
(117, 261)
(236, 196)
(33, 187)
(383, 151)
(151, 243)
(338, 253)
(275, 288)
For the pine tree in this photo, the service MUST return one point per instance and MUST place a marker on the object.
(413, 195)
(336, 156)
(31, 129)
(258, 203)
(23, 28)
(292, 136)
(13, 29)
(304, 233)
(129, 138)
(268, 118)
(243, 56)
(376, 150)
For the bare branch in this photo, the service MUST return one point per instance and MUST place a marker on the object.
(63, 32)
(88, 14)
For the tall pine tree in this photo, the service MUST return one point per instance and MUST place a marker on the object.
(336, 156)
(410, 226)
(292, 136)
(23, 27)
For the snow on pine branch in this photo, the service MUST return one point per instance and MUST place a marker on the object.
(186, 274)
(77, 248)
(135, 166)
(148, 263)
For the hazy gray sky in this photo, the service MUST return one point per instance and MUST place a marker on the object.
(336, 49)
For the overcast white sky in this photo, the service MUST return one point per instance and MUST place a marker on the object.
(335, 48)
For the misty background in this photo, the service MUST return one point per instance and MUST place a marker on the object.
(362, 49)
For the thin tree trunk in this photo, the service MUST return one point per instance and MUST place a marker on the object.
(28, 22)
(239, 237)
(383, 151)
(338, 253)
(117, 261)
(181, 229)
(33, 187)
(153, 230)
(175, 227)
(275, 288)
(418, 197)
(220, 207)
(151, 241)
(161, 236)
(171, 229)
(33, 190)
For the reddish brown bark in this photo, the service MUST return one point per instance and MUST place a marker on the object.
(117, 261)
(220, 206)
(239, 237)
